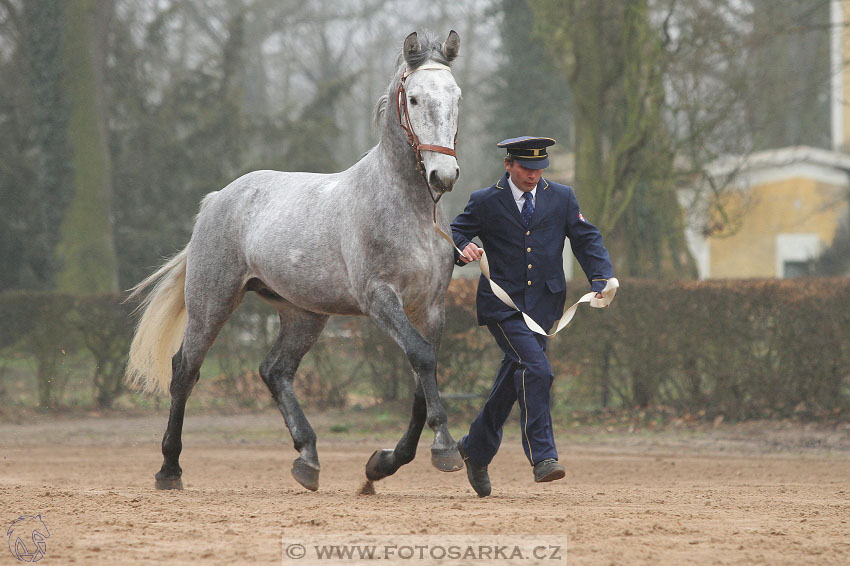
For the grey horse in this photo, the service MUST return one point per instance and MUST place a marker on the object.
(359, 242)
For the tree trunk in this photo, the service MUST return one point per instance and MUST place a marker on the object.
(86, 249)
(42, 43)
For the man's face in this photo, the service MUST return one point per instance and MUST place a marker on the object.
(524, 178)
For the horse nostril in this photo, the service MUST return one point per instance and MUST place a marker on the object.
(440, 182)
(457, 173)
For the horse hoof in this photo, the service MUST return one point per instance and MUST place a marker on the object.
(376, 467)
(446, 460)
(169, 483)
(305, 474)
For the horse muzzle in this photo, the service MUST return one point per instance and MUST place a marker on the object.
(441, 172)
(442, 183)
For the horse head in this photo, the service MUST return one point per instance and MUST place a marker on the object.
(427, 103)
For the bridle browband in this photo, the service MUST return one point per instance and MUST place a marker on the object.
(412, 138)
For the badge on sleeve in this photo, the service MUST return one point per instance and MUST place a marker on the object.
(581, 217)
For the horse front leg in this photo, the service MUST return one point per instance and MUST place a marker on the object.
(386, 309)
(386, 462)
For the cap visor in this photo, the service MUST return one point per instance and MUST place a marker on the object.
(533, 163)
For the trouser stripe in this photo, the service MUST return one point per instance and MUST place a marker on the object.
(524, 402)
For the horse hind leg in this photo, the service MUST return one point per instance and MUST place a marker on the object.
(299, 330)
(202, 328)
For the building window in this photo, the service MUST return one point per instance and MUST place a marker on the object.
(794, 269)
(795, 253)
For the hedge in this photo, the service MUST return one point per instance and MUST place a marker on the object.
(741, 349)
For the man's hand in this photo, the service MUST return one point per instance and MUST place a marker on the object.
(471, 253)
(599, 295)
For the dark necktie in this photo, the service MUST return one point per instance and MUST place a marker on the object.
(527, 209)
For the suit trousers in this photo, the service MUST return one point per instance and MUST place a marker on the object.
(525, 376)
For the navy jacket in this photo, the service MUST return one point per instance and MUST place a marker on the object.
(528, 262)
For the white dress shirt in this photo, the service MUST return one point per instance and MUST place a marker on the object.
(520, 201)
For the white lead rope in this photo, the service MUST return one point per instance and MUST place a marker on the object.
(607, 293)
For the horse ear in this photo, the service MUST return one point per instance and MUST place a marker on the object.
(452, 46)
(411, 47)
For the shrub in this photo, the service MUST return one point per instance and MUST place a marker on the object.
(104, 326)
(38, 325)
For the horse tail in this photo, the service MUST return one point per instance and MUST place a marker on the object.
(160, 330)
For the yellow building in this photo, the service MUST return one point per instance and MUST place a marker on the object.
(781, 209)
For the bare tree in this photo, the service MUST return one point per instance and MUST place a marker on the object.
(662, 89)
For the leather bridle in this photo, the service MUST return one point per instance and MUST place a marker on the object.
(407, 126)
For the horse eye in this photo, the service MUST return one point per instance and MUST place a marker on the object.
(413, 101)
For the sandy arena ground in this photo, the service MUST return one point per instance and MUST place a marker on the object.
(748, 494)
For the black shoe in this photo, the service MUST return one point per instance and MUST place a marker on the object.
(479, 479)
(548, 470)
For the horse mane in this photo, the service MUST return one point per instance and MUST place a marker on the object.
(432, 50)
(381, 108)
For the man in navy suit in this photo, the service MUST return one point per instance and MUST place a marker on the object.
(522, 222)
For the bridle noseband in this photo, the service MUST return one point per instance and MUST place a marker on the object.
(412, 138)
